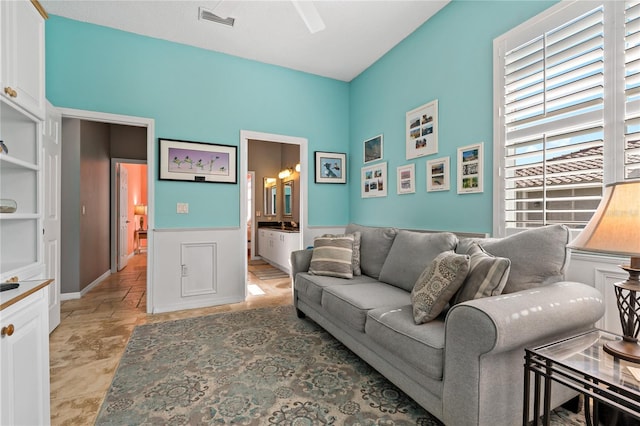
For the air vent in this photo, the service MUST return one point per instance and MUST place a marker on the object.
(207, 15)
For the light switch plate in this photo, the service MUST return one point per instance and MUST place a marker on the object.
(182, 208)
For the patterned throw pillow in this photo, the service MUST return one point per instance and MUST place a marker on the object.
(332, 257)
(437, 284)
(487, 275)
(355, 259)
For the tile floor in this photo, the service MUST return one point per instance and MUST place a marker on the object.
(87, 345)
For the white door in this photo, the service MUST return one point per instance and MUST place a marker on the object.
(51, 147)
(123, 216)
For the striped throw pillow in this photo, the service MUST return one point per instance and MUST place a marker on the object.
(487, 275)
(332, 257)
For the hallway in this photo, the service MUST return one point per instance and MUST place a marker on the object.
(87, 346)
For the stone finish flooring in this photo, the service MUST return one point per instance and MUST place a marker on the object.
(86, 347)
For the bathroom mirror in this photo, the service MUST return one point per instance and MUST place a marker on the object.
(288, 198)
(270, 194)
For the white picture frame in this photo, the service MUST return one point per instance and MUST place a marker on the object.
(373, 182)
(470, 168)
(373, 149)
(422, 130)
(406, 179)
(438, 175)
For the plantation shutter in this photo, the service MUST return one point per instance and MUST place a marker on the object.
(632, 90)
(554, 127)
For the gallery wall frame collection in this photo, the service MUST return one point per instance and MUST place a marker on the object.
(374, 180)
(421, 131)
(330, 167)
(470, 169)
(198, 161)
(406, 179)
(373, 149)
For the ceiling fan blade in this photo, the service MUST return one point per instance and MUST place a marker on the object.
(225, 8)
(309, 15)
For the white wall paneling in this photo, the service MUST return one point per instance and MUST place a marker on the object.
(215, 268)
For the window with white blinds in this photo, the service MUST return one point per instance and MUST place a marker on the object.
(632, 90)
(553, 123)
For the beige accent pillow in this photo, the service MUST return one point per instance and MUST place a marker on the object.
(332, 256)
(437, 284)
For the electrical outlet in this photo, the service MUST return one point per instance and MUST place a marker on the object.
(182, 208)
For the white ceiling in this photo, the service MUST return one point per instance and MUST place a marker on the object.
(358, 32)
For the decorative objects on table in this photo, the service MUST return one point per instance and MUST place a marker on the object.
(373, 149)
(374, 180)
(7, 205)
(438, 174)
(406, 179)
(331, 167)
(197, 161)
(470, 170)
(615, 229)
(422, 130)
(3, 147)
(140, 210)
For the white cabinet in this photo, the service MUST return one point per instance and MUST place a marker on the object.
(20, 180)
(276, 246)
(22, 55)
(24, 350)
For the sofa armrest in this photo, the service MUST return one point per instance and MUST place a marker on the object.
(300, 261)
(485, 341)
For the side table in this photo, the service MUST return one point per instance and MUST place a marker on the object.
(139, 234)
(581, 364)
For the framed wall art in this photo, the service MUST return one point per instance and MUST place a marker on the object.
(197, 161)
(331, 167)
(374, 180)
(470, 173)
(373, 149)
(422, 131)
(406, 182)
(438, 173)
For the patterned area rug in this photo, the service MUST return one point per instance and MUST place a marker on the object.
(270, 273)
(257, 367)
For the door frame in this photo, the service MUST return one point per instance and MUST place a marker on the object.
(149, 124)
(303, 143)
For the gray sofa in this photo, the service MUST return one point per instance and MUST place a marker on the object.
(466, 366)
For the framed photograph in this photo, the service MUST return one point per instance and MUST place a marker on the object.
(373, 149)
(438, 173)
(331, 167)
(422, 131)
(470, 173)
(374, 180)
(197, 161)
(406, 183)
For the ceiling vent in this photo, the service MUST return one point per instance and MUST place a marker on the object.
(207, 15)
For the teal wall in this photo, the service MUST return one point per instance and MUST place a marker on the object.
(199, 95)
(194, 94)
(450, 59)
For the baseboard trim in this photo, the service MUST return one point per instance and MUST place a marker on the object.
(91, 286)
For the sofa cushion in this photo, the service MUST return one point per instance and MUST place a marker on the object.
(350, 303)
(310, 287)
(332, 257)
(355, 258)
(411, 253)
(437, 285)
(375, 245)
(422, 346)
(487, 275)
(538, 256)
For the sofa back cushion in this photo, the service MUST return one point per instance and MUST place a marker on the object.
(538, 256)
(374, 247)
(411, 253)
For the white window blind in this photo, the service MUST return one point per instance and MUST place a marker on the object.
(552, 111)
(632, 90)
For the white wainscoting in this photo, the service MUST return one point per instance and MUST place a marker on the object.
(600, 272)
(196, 268)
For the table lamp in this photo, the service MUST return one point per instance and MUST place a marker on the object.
(140, 210)
(615, 229)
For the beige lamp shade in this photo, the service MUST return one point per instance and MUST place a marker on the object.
(615, 226)
(140, 209)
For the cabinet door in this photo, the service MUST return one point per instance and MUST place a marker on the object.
(25, 362)
(23, 55)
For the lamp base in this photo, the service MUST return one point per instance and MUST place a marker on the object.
(628, 351)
